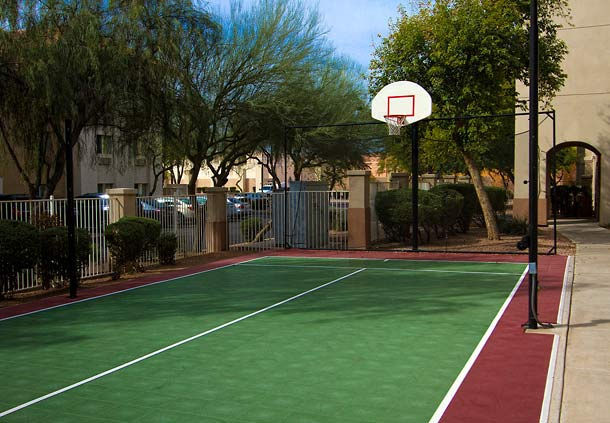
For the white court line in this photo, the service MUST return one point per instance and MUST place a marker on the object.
(473, 357)
(128, 289)
(550, 377)
(394, 259)
(169, 347)
(304, 266)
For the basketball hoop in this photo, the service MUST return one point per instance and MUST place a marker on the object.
(395, 122)
(400, 104)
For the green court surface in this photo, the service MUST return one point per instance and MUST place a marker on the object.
(384, 342)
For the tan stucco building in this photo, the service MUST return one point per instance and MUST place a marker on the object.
(99, 165)
(582, 109)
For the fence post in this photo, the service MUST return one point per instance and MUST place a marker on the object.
(216, 219)
(359, 211)
(122, 202)
(399, 180)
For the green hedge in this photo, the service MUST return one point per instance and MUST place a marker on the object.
(393, 210)
(128, 239)
(441, 209)
(54, 262)
(470, 203)
(167, 246)
(512, 226)
(152, 229)
(19, 250)
(438, 212)
(472, 209)
(498, 198)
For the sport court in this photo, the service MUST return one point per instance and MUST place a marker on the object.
(270, 339)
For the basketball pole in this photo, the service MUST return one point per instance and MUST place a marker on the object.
(533, 168)
(414, 187)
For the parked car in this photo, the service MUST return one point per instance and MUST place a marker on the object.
(237, 208)
(267, 189)
(149, 208)
(201, 200)
(162, 208)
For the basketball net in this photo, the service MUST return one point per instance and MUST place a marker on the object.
(395, 123)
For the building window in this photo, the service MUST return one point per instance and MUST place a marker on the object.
(142, 189)
(101, 188)
(103, 144)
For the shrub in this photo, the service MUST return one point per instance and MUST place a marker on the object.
(250, 228)
(441, 209)
(126, 242)
(512, 225)
(167, 246)
(45, 220)
(54, 263)
(152, 230)
(470, 203)
(393, 210)
(471, 208)
(498, 197)
(19, 249)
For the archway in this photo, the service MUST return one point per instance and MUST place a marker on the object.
(575, 186)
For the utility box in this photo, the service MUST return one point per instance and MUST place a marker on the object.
(308, 215)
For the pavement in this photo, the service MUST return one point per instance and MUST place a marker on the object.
(585, 377)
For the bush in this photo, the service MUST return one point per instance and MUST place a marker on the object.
(498, 198)
(167, 246)
(472, 208)
(126, 242)
(439, 211)
(393, 210)
(442, 209)
(512, 225)
(152, 230)
(46, 220)
(250, 228)
(54, 263)
(470, 203)
(19, 250)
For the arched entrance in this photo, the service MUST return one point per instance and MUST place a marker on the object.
(573, 179)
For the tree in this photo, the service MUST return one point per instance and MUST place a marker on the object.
(468, 55)
(209, 110)
(332, 92)
(565, 162)
(72, 61)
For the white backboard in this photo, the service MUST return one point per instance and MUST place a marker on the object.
(402, 98)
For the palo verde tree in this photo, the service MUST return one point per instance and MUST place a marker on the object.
(332, 92)
(469, 54)
(257, 48)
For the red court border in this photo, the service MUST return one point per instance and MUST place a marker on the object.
(506, 382)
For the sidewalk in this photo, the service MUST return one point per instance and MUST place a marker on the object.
(586, 391)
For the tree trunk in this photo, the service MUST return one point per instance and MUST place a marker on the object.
(488, 214)
(192, 188)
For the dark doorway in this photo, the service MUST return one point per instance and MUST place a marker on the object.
(573, 179)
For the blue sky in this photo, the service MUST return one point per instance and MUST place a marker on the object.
(353, 25)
